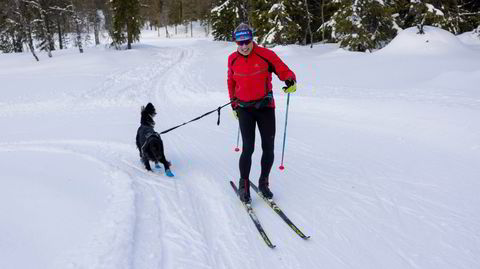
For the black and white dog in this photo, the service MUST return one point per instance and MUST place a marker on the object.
(149, 143)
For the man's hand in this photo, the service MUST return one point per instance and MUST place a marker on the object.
(291, 86)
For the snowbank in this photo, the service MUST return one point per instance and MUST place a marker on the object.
(470, 38)
(435, 41)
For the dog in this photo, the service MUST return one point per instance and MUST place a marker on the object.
(149, 143)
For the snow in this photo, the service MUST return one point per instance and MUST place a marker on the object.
(434, 41)
(470, 38)
(221, 7)
(381, 160)
(434, 10)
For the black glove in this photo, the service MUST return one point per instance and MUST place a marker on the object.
(291, 87)
(289, 82)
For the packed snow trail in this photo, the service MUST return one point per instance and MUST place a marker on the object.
(379, 177)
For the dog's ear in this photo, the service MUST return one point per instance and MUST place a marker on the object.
(142, 108)
(150, 109)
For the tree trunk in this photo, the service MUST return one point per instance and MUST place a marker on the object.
(96, 29)
(191, 29)
(30, 45)
(26, 27)
(420, 26)
(308, 25)
(79, 34)
(60, 34)
(51, 44)
(17, 42)
(129, 36)
(457, 18)
(323, 21)
(207, 29)
(45, 31)
(77, 22)
(28, 32)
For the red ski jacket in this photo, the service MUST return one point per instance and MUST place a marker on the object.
(250, 77)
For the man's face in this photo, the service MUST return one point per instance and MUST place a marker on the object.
(245, 47)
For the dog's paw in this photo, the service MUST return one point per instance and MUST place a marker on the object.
(169, 173)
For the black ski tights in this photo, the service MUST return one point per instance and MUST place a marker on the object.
(248, 119)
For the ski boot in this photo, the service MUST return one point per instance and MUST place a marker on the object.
(264, 189)
(244, 190)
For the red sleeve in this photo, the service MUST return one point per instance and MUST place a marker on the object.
(230, 81)
(281, 69)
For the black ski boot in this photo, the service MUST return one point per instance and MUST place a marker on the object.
(263, 187)
(244, 190)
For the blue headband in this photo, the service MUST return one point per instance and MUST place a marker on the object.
(243, 35)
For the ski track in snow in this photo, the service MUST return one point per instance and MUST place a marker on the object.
(195, 220)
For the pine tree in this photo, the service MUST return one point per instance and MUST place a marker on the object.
(323, 11)
(23, 16)
(282, 28)
(260, 21)
(362, 25)
(10, 36)
(126, 22)
(225, 16)
(77, 21)
(424, 13)
(308, 16)
(469, 13)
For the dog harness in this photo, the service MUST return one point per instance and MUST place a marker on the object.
(149, 136)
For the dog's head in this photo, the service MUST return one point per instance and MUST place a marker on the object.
(148, 112)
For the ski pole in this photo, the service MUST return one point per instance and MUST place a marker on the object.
(281, 167)
(238, 138)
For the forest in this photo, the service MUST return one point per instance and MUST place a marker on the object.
(357, 25)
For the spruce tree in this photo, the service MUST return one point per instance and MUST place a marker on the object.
(323, 11)
(469, 12)
(362, 25)
(126, 22)
(225, 16)
(260, 19)
(283, 29)
(425, 13)
(8, 29)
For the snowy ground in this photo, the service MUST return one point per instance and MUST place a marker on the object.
(381, 159)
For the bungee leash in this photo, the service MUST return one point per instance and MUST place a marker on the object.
(197, 118)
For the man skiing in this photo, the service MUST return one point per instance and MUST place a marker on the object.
(249, 81)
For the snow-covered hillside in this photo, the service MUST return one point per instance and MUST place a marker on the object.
(381, 160)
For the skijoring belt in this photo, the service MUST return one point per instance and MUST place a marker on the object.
(260, 103)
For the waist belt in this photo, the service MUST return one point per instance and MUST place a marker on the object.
(260, 103)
